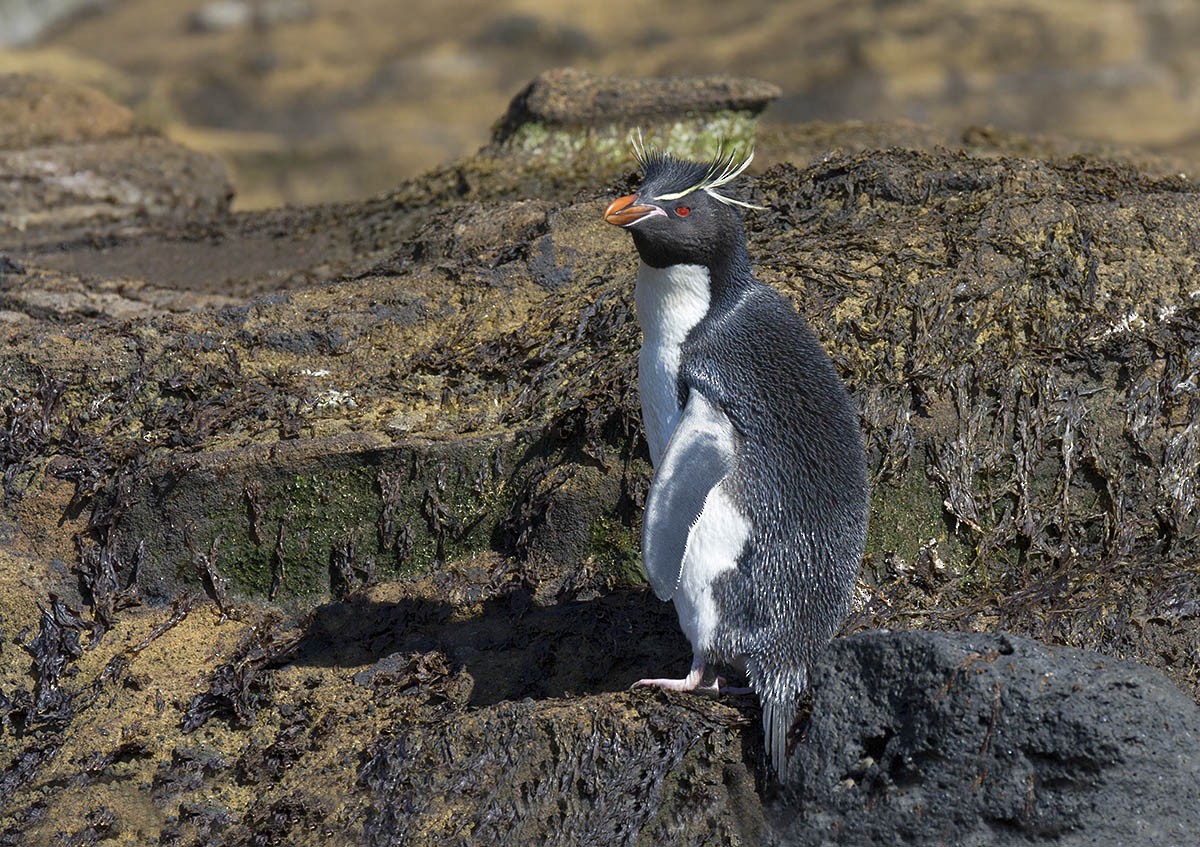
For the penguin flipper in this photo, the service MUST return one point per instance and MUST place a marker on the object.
(699, 455)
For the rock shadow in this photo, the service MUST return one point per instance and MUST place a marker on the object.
(513, 648)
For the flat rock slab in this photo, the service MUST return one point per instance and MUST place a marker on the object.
(932, 738)
(572, 97)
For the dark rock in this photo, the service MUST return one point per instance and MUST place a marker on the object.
(571, 97)
(599, 770)
(931, 738)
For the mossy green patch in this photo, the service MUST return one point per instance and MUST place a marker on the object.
(907, 523)
(281, 530)
(697, 136)
(618, 550)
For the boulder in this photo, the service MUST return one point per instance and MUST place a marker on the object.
(73, 163)
(935, 738)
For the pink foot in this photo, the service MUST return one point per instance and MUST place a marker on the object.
(691, 682)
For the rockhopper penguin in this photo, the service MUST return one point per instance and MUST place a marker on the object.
(757, 513)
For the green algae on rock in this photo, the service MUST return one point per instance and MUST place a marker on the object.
(567, 112)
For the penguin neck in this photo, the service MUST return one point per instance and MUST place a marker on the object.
(670, 302)
(672, 299)
(730, 275)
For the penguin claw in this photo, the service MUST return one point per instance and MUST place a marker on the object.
(717, 688)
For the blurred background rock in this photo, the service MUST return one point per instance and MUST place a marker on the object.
(318, 100)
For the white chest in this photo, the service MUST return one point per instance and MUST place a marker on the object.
(670, 301)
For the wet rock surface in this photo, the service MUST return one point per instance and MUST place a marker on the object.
(314, 517)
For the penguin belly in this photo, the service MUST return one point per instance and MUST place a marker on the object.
(715, 543)
(670, 302)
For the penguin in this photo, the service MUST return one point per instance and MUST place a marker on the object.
(756, 518)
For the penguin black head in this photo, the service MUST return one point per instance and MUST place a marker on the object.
(678, 216)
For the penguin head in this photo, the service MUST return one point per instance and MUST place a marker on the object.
(678, 216)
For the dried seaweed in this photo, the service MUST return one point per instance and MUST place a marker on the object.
(394, 538)
(98, 570)
(55, 647)
(406, 672)
(242, 685)
(28, 426)
(529, 772)
(278, 571)
(205, 566)
(346, 575)
(253, 492)
(998, 334)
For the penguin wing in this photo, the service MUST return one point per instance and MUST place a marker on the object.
(699, 455)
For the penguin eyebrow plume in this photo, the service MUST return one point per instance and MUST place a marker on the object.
(721, 170)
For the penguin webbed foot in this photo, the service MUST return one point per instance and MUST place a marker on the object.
(694, 683)
(691, 682)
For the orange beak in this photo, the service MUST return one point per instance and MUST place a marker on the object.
(624, 211)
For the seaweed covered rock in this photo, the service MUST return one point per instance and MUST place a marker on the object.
(375, 473)
(556, 773)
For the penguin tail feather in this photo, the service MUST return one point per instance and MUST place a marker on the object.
(778, 714)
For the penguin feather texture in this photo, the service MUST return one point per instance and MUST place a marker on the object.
(756, 517)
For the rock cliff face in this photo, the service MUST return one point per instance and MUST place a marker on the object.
(311, 514)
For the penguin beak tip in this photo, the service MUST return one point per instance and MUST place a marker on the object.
(613, 213)
(626, 211)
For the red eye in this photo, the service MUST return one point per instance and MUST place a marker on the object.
(682, 211)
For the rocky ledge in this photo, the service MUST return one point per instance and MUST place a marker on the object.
(320, 525)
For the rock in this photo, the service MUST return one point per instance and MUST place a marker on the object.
(565, 773)
(922, 738)
(22, 21)
(424, 405)
(572, 118)
(220, 16)
(35, 111)
(237, 14)
(570, 97)
(72, 162)
(1112, 70)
